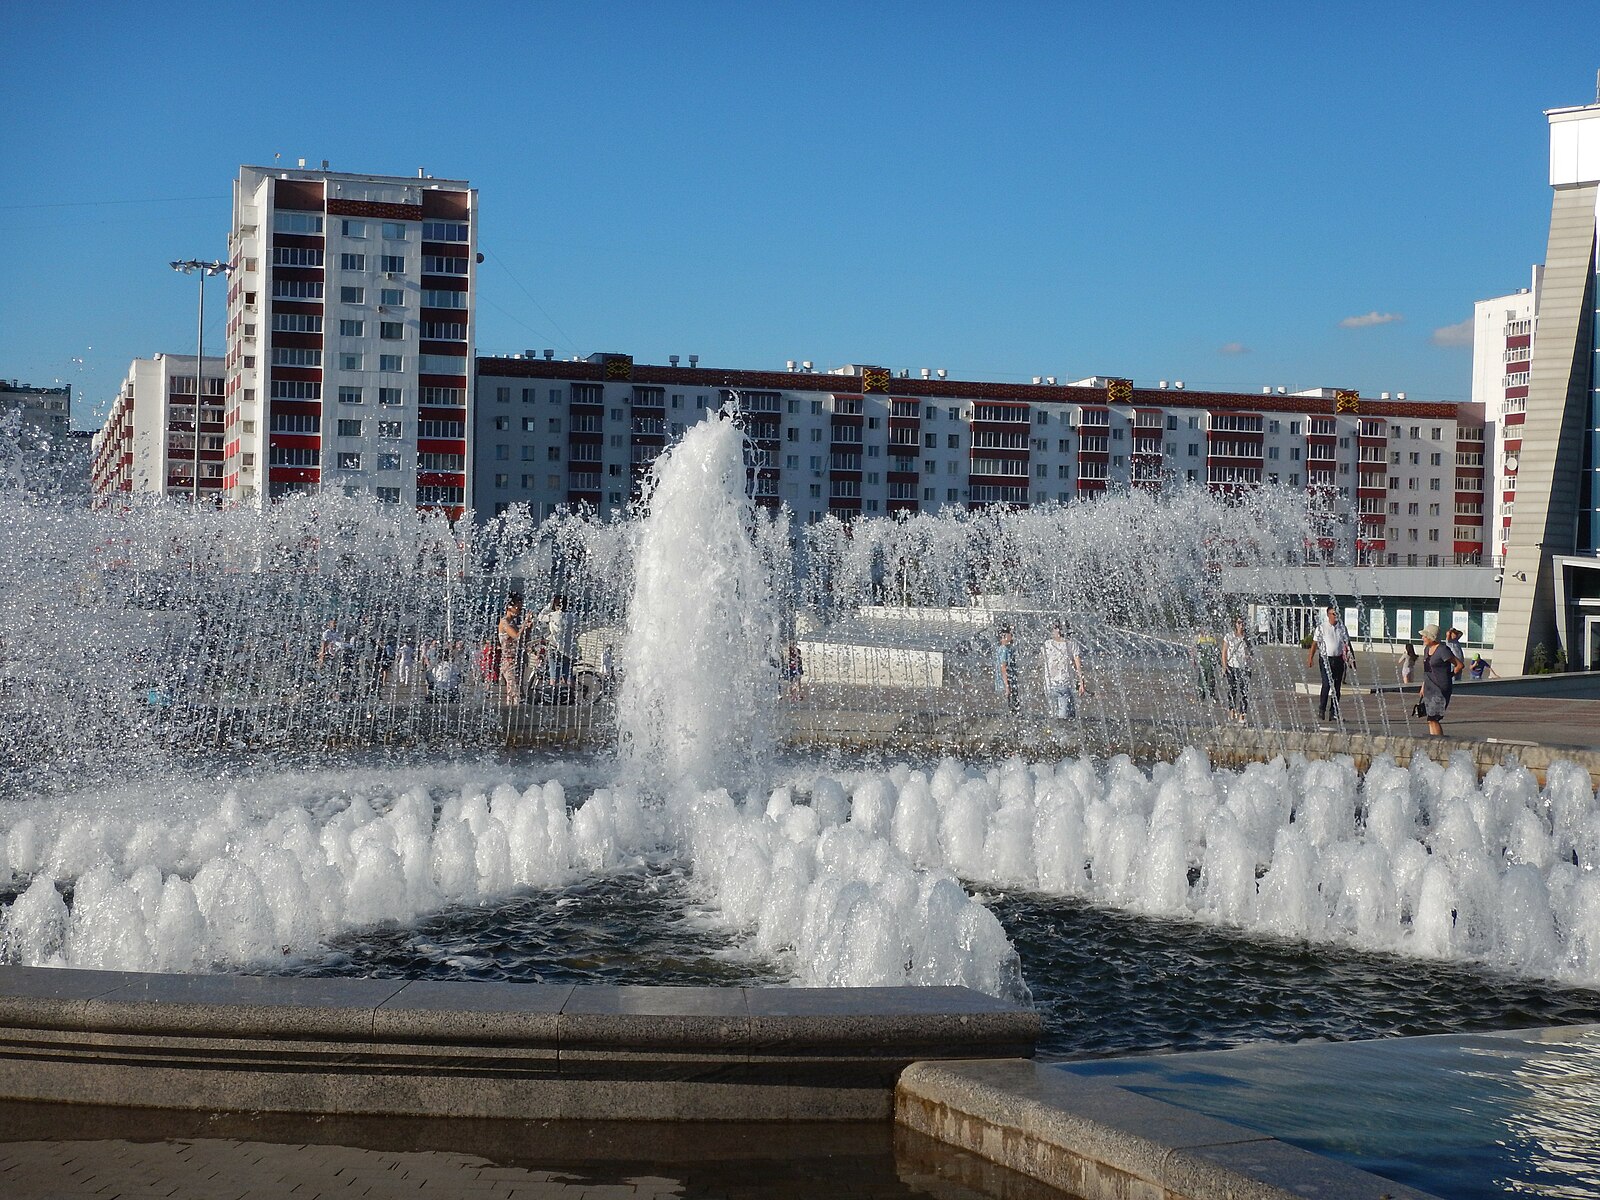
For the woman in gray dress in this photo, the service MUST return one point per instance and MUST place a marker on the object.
(1438, 678)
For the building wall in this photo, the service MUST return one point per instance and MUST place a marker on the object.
(1561, 432)
(350, 322)
(1399, 483)
(1504, 328)
(147, 444)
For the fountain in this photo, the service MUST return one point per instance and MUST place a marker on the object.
(188, 788)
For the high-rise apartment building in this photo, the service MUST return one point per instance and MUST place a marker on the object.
(1503, 329)
(1551, 591)
(148, 442)
(350, 326)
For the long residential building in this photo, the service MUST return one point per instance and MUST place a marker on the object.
(350, 326)
(1399, 483)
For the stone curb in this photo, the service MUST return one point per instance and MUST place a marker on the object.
(1097, 1141)
(528, 1051)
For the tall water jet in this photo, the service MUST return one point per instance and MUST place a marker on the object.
(700, 659)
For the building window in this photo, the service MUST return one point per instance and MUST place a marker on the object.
(349, 395)
(391, 331)
(352, 262)
(292, 323)
(438, 264)
(392, 297)
(394, 231)
(352, 328)
(435, 298)
(350, 461)
(289, 356)
(349, 361)
(390, 362)
(391, 429)
(444, 231)
(352, 295)
(355, 229)
(553, 453)
(349, 428)
(289, 221)
(394, 264)
(389, 397)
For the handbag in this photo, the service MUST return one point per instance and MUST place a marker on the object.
(1418, 709)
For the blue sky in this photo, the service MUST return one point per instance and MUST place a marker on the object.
(1206, 192)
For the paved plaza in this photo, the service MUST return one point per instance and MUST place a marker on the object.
(66, 1153)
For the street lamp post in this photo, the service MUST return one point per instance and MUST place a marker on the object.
(190, 266)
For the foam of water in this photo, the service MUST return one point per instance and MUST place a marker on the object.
(846, 879)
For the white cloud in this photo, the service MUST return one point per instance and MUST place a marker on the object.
(1233, 348)
(1369, 319)
(1459, 334)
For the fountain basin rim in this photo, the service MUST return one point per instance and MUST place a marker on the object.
(1094, 1139)
(448, 1048)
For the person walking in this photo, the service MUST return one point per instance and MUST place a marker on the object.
(1438, 679)
(1479, 667)
(1330, 650)
(1063, 671)
(1236, 666)
(1406, 665)
(1005, 671)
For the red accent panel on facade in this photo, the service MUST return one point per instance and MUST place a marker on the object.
(304, 308)
(441, 445)
(375, 209)
(451, 381)
(298, 274)
(298, 341)
(297, 374)
(296, 441)
(457, 349)
(301, 194)
(298, 408)
(1519, 341)
(458, 283)
(451, 204)
(297, 241)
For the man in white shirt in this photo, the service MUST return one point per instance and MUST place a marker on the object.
(1330, 647)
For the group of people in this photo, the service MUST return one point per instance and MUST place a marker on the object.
(1233, 659)
(1443, 661)
(1063, 676)
(534, 650)
(433, 664)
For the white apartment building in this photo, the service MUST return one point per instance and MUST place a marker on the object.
(1503, 329)
(148, 442)
(1401, 483)
(350, 323)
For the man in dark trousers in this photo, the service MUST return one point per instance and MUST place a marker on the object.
(1330, 648)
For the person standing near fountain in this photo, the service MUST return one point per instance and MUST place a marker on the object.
(1005, 671)
(511, 628)
(1063, 671)
(1236, 671)
(1438, 679)
(1330, 648)
(557, 637)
